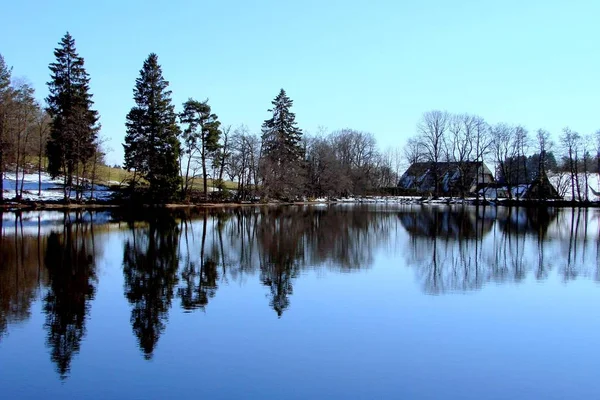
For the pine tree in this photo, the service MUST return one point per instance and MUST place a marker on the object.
(202, 132)
(74, 127)
(283, 162)
(151, 143)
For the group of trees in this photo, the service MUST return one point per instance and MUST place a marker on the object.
(24, 128)
(580, 157)
(74, 127)
(61, 137)
(281, 162)
(168, 150)
(347, 162)
(518, 156)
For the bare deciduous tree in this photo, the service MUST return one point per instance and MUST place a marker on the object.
(21, 127)
(504, 151)
(462, 129)
(483, 140)
(42, 127)
(570, 142)
(413, 152)
(544, 145)
(432, 129)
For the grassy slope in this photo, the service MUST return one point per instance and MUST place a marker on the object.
(110, 176)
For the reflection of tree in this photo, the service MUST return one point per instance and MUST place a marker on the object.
(290, 239)
(516, 226)
(277, 243)
(497, 244)
(280, 235)
(20, 272)
(200, 284)
(70, 261)
(529, 221)
(150, 272)
(577, 244)
(446, 245)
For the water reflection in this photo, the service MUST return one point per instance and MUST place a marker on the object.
(178, 260)
(199, 276)
(451, 251)
(22, 270)
(284, 241)
(150, 266)
(70, 259)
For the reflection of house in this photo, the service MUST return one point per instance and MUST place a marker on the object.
(541, 188)
(453, 177)
(445, 223)
(528, 220)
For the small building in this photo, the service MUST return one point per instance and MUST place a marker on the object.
(455, 178)
(539, 189)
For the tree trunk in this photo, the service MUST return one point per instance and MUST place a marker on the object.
(65, 185)
(40, 155)
(17, 165)
(572, 173)
(204, 174)
(22, 179)
(577, 180)
(94, 169)
(1, 174)
(186, 184)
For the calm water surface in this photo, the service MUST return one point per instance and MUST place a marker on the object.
(301, 302)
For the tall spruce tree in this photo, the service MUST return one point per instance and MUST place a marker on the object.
(151, 144)
(283, 162)
(202, 133)
(74, 128)
(5, 99)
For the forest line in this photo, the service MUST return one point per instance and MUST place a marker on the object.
(166, 150)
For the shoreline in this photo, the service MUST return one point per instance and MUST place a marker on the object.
(12, 206)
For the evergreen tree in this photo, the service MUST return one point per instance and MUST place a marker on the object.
(5, 98)
(283, 162)
(74, 127)
(202, 132)
(151, 143)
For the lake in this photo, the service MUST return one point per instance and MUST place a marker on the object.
(301, 302)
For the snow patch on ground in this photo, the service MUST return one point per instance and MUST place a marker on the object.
(564, 180)
(51, 189)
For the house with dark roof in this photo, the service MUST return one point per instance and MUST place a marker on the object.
(539, 189)
(455, 178)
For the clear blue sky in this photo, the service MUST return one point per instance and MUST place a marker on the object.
(373, 66)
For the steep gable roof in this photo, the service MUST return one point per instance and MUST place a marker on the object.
(420, 176)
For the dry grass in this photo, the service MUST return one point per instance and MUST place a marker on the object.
(106, 175)
(197, 184)
(109, 175)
